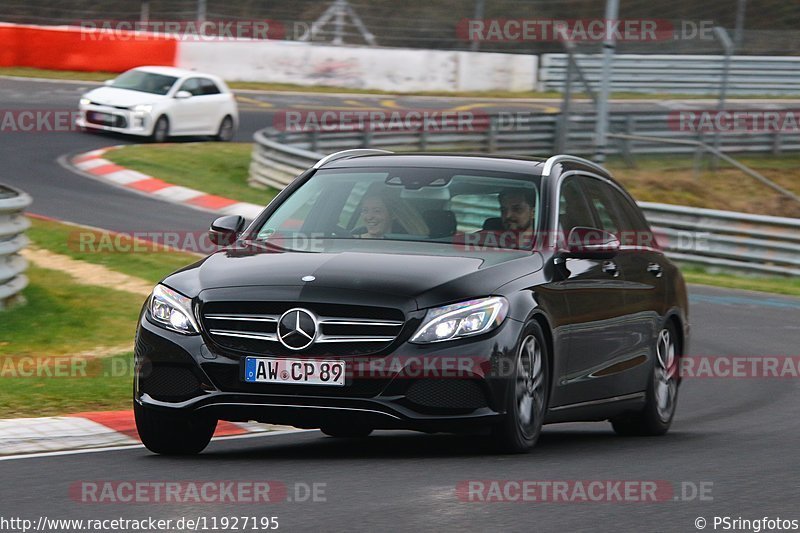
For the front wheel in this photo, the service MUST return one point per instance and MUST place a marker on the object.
(160, 130)
(662, 391)
(226, 130)
(527, 400)
(168, 433)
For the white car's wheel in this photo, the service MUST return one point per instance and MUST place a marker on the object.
(160, 130)
(226, 130)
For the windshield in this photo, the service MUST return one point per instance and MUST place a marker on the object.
(419, 205)
(146, 82)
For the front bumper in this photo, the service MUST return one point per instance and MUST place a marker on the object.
(439, 387)
(114, 119)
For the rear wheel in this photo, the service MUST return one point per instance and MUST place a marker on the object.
(173, 433)
(226, 130)
(160, 130)
(346, 432)
(527, 399)
(662, 391)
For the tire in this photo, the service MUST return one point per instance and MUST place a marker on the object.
(160, 130)
(346, 432)
(526, 401)
(226, 130)
(168, 433)
(662, 391)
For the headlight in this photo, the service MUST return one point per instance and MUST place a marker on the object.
(172, 310)
(85, 101)
(142, 108)
(463, 319)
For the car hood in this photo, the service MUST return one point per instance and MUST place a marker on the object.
(122, 97)
(424, 278)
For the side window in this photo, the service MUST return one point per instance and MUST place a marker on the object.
(607, 213)
(636, 231)
(573, 210)
(193, 86)
(208, 86)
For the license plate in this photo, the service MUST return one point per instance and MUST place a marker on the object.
(102, 118)
(294, 371)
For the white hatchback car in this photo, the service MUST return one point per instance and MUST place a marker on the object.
(159, 102)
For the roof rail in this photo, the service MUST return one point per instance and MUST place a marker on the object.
(556, 159)
(344, 154)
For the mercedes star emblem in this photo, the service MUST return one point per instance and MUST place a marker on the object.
(297, 329)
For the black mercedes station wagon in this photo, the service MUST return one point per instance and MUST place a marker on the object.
(426, 292)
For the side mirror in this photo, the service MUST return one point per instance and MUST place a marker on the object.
(183, 95)
(108, 82)
(591, 243)
(225, 230)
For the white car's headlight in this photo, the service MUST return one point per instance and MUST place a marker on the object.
(172, 310)
(142, 108)
(463, 319)
(85, 101)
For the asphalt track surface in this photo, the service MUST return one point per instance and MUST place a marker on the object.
(735, 437)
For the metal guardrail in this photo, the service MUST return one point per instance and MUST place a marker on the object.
(526, 135)
(728, 240)
(711, 238)
(679, 74)
(12, 240)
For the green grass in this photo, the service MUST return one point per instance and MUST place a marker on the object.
(671, 180)
(776, 285)
(76, 386)
(28, 72)
(215, 168)
(118, 253)
(61, 316)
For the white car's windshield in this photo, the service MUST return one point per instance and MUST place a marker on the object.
(146, 82)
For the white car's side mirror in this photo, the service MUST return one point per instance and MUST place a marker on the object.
(182, 95)
(108, 82)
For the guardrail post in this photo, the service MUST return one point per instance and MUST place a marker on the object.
(423, 139)
(777, 143)
(315, 141)
(366, 138)
(627, 152)
(491, 138)
(12, 241)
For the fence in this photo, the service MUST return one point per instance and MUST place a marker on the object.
(12, 240)
(679, 74)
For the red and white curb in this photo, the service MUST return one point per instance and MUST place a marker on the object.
(94, 164)
(91, 430)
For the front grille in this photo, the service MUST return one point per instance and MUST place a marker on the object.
(170, 383)
(251, 327)
(447, 394)
(226, 377)
(106, 119)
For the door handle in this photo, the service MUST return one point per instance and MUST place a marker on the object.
(610, 267)
(655, 269)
